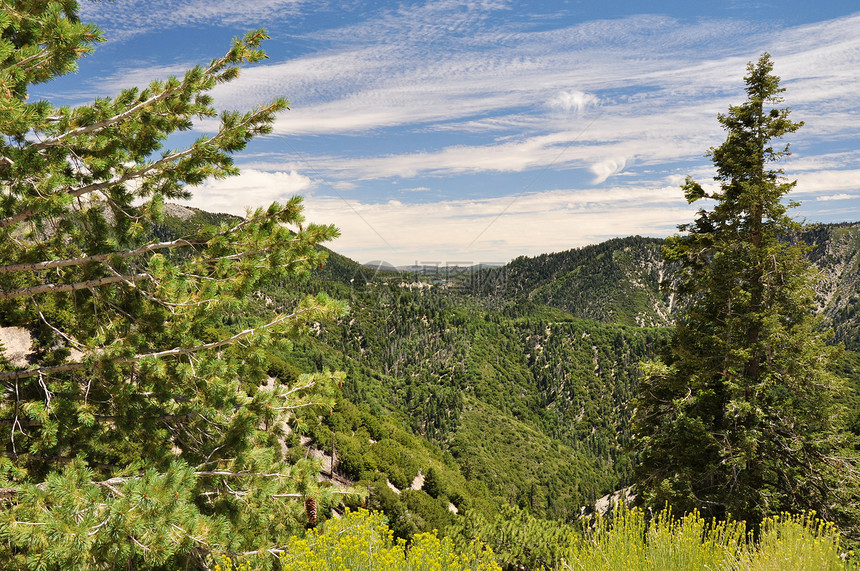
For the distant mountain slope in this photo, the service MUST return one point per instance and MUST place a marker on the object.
(618, 281)
(836, 253)
(613, 282)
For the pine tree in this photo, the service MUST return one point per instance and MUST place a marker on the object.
(143, 433)
(739, 415)
(432, 483)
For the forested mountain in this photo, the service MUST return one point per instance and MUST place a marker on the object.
(618, 281)
(836, 253)
(509, 386)
(513, 386)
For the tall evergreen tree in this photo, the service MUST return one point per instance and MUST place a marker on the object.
(739, 415)
(143, 432)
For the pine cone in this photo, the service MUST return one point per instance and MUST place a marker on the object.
(311, 510)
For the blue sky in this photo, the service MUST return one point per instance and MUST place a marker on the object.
(469, 131)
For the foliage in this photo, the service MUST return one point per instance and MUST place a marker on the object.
(143, 432)
(432, 486)
(361, 541)
(739, 417)
(528, 400)
(518, 540)
(626, 540)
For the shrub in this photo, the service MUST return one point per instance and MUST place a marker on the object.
(362, 541)
(796, 542)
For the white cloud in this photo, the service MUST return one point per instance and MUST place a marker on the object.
(251, 189)
(842, 196)
(497, 229)
(605, 169)
(813, 183)
(575, 101)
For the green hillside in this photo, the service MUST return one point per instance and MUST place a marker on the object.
(512, 388)
(617, 281)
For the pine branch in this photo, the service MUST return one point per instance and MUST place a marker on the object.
(6, 493)
(102, 418)
(118, 118)
(28, 59)
(176, 351)
(108, 122)
(94, 187)
(57, 459)
(139, 173)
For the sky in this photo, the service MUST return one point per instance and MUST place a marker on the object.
(475, 131)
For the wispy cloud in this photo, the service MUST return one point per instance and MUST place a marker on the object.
(655, 108)
(124, 18)
(434, 90)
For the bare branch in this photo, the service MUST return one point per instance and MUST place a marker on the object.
(68, 338)
(111, 487)
(52, 264)
(58, 288)
(241, 474)
(297, 406)
(66, 367)
(306, 386)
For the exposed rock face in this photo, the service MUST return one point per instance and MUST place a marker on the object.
(17, 342)
(836, 254)
(178, 211)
